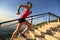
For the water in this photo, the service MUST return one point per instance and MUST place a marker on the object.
(7, 31)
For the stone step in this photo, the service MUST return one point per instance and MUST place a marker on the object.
(38, 38)
(30, 35)
(43, 29)
(36, 32)
(48, 37)
(19, 38)
(33, 35)
(57, 35)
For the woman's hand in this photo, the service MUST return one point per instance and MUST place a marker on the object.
(17, 12)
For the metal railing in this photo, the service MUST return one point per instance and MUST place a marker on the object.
(43, 14)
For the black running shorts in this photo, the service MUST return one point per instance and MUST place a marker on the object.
(20, 20)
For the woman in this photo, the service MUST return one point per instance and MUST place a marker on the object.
(22, 20)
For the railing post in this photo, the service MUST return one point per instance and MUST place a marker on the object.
(32, 21)
(48, 18)
(0, 24)
(58, 20)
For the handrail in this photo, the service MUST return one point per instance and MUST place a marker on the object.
(27, 17)
(53, 14)
(31, 16)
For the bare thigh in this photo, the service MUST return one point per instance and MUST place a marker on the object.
(18, 27)
(27, 24)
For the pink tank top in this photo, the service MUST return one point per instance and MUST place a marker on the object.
(25, 14)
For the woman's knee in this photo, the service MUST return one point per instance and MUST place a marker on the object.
(29, 26)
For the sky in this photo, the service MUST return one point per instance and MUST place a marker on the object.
(8, 8)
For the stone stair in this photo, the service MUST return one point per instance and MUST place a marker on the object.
(44, 33)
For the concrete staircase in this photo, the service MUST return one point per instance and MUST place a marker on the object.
(49, 31)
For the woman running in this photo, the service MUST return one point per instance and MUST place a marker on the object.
(22, 20)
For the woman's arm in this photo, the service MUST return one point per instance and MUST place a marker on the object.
(19, 6)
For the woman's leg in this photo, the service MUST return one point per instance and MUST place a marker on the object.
(16, 31)
(28, 26)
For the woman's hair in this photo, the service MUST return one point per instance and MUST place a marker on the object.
(29, 3)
